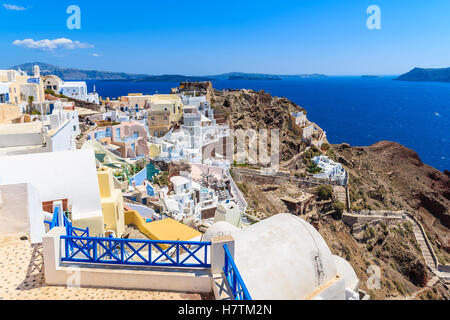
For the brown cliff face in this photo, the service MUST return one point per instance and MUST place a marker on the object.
(248, 109)
(388, 175)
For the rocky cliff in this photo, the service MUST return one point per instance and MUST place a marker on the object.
(248, 109)
(388, 175)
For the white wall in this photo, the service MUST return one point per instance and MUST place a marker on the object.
(20, 140)
(58, 175)
(63, 140)
(37, 227)
(21, 211)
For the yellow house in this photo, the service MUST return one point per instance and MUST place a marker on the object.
(21, 86)
(112, 202)
(168, 102)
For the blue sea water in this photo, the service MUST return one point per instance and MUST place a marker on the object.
(355, 110)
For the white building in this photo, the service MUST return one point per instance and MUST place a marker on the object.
(48, 133)
(190, 199)
(53, 83)
(331, 170)
(189, 100)
(300, 119)
(70, 175)
(229, 212)
(78, 90)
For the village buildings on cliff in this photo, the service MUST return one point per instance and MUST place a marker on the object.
(156, 163)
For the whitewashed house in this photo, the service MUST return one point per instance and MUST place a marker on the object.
(331, 170)
(78, 90)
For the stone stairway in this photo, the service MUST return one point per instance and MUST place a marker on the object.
(427, 254)
(341, 194)
(423, 246)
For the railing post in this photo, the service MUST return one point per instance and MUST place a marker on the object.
(66, 247)
(150, 253)
(122, 253)
(94, 250)
(218, 254)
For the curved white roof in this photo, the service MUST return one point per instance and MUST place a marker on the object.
(283, 258)
(346, 271)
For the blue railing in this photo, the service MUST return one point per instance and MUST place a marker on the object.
(72, 231)
(234, 278)
(55, 221)
(136, 252)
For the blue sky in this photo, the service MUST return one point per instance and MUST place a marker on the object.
(208, 37)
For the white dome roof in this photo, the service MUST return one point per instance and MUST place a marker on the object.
(283, 257)
(345, 270)
(218, 229)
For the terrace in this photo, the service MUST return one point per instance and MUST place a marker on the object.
(186, 266)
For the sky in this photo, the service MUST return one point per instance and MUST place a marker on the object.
(210, 37)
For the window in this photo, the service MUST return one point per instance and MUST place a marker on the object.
(74, 128)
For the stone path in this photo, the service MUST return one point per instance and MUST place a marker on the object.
(423, 246)
(341, 194)
(420, 237)
(22, 278)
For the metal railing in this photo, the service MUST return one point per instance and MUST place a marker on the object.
(112, 251)
(72, 231)
(55, 221)
(234, 278)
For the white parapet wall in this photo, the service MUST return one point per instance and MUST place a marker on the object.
(137, 278)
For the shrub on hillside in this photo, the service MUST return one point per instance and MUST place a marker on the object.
(325, 192)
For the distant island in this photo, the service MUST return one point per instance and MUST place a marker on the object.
(252, 78)
(421, 74)
(169, 78)
(78, 74)
(369, 76)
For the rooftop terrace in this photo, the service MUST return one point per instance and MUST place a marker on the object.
(22, 278)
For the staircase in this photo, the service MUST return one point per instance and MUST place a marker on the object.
(423, 246)
(341, 194)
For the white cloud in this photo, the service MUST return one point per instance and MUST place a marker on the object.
(96, 55)
(49, 45)
(13, 7)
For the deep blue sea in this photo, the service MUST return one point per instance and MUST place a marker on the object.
(355, 110)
